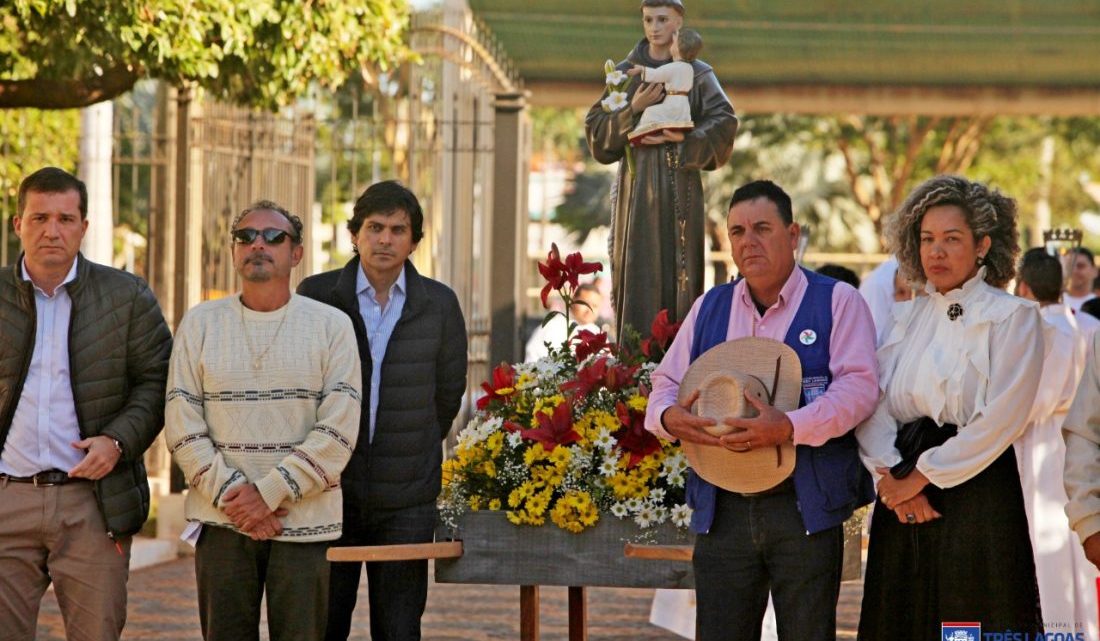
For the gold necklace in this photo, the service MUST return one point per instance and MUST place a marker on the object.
(257, 361)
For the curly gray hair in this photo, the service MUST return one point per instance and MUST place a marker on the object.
(988, 213)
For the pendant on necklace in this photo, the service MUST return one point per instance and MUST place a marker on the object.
(954, 311)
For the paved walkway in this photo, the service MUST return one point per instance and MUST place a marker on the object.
(162, 606)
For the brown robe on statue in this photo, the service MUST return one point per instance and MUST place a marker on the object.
(648, 256)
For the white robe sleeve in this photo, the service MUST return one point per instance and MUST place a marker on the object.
(1081, 430)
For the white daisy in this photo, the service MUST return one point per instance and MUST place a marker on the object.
(608, 468)
(645, 517)
(619, 510)
(604, 441)
(681, 515)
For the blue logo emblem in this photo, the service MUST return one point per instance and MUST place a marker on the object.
(961, 631)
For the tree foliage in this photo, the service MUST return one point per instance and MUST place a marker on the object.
(263, 53)
(29, 140)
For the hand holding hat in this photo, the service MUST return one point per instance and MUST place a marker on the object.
(744, 387)
(681, 423)
(769, 427)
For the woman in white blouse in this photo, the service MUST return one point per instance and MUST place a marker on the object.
(959, 370)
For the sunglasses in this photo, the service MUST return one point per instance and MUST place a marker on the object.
(272, 236)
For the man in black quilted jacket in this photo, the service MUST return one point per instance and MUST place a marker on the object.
(83, 362)
(412, 345)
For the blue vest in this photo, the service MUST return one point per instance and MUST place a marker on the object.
(830, 482)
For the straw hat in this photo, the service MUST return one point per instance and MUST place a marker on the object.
(722, 375)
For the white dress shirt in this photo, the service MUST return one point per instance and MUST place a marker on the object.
(379, 322)
(45, 423)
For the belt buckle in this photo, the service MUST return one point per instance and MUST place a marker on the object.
(34, 480)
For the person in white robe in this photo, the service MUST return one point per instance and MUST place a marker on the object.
(1081, 265)
(882, 288)
(1066, 579)
(1081, 431)
(553, 333)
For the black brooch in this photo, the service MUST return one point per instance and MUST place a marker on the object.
(954, 311)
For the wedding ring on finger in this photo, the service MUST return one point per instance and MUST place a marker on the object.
(910, 518)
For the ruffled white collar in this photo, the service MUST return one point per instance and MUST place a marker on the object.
(952, 341)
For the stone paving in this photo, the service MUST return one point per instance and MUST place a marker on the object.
(162, 607)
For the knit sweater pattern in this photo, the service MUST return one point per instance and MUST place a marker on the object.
(289, 426)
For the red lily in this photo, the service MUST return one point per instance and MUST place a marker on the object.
(576, 267)
(558, 273)
(588, 378)
(589, 343)
(553, 271)
(633, 438)
(554, 430)
(619, 376)
(504, 378)
(599, 374)
(661, 334)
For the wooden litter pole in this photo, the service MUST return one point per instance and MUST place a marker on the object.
(405, 552)
(529, 613)
(578, 613)
(659, 552)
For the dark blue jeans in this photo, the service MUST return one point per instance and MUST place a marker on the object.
(397, 590)
(756, 545)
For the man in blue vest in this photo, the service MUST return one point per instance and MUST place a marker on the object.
(787, 540)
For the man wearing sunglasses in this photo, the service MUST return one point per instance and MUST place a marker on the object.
(263, 406)
(412, 342)
(83, 358)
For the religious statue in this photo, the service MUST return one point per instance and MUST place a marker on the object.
(658, 227)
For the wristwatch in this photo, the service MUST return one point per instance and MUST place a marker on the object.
(118, 446)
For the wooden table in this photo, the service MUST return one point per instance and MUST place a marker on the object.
(528, 594)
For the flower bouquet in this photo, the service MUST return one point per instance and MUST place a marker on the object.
(563, 438)
(562, 441)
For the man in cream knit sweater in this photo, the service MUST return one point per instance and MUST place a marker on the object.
(264, 391)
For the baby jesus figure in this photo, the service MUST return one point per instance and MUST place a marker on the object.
(674, 112)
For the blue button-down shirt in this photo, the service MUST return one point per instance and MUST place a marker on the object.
(45, 421)
(379, 322)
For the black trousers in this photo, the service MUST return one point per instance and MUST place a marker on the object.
(233, 572)
(757, 545)
(397, 590)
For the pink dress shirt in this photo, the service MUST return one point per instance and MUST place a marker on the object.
(851, 396)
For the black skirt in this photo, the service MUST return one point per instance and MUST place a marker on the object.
(975, 564)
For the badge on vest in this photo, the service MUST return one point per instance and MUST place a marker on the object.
(807, 337)
(813, 387)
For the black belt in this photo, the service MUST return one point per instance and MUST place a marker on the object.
(917, 437)
(786, 486)
(42, 479)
